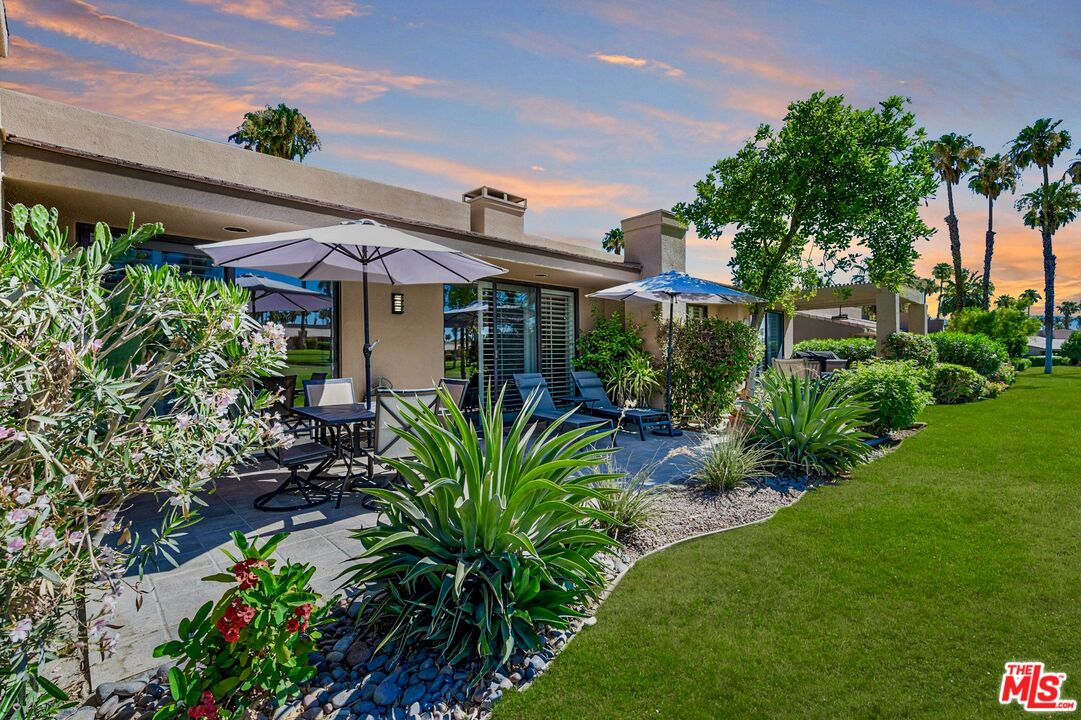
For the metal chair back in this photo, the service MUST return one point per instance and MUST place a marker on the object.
(388, 415)
(336, 391)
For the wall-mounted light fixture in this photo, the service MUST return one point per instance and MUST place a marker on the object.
(397, 303)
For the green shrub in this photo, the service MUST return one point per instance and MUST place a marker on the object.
(711, 359)
(635, 380)
(1071, 348)
(1010, 326)
(1020, 364)
(607, 347)
(918, 349)
(956, 384)
(725, 461)
(853, 349)
(892, 389)
(1005, 375)
(810, 427)
(251, 647)
(630, 503)
(479, 547)
(978, 352)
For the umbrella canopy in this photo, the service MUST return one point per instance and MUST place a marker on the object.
(353, 250)
(348, 251)
(463, 316)
(671, 285)
(269, 295)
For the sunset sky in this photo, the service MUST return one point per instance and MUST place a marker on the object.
(594, 111)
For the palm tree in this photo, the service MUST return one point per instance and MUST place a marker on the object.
(1005, 301)
(1074, 170)
(941, 272)
(1039, 144)
(613, 241)
(952, 156)
(971, 292)
(1028, 298)
(995, 175)
(1069, 308)
(282, 131)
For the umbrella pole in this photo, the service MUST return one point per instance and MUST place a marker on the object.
(672, 431)
(367, 342)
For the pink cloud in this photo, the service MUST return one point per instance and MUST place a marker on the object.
(314, 16)
(638, 63)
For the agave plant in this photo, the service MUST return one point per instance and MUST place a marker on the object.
(811, 427)
(636, 380)
(481, 545)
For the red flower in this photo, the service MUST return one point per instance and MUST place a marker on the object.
(304, 611)
(292, 625)
(236, 617)
(242, 571)
(206, 709)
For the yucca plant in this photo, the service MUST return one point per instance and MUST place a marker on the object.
(810, 427)
(636, 380)
(481, 545)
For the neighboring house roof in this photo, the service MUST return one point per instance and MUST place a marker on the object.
(1036, 343)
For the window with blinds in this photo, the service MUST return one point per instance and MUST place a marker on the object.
(557, 340)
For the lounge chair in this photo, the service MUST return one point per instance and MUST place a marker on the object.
(546, 410)
(590, 386)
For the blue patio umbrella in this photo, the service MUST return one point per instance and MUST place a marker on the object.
(670, 286)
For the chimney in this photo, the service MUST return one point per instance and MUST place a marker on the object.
(656, 241)
(497, 213)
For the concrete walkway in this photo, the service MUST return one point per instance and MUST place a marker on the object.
(319, 536)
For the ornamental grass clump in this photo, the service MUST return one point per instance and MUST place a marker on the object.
(113, 383)
(481, 545)
(632, 504)
(726, 460)
(251, 647)
(810, 428)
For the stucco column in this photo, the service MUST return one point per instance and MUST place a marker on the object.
(917, 318)
(888, 316)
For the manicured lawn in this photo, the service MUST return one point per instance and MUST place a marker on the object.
(898, 593)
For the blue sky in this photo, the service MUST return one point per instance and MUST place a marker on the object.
(592, 110)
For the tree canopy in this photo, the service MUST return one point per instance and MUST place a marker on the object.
(280, 131)
(835, 181)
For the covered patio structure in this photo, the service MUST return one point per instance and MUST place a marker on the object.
(905, 309)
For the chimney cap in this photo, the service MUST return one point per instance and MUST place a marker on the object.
(485, 191)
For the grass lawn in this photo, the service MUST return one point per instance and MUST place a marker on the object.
(901, 592)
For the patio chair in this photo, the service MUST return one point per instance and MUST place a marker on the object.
(457, 387)
(388, 415)
(796, 366)
(546, 410)
(285, 387)
(590, 386)
(827, 360)
(295, 459)
(335, 391)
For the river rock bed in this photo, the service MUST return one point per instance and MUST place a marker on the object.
(354, 683)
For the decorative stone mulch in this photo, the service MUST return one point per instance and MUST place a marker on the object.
(354, 683)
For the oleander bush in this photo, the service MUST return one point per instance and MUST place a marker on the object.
(893, 389)
(978, 352)
(853, 349)
(252, 647)
(480, 547)
(1071, 348)
(711, 360)
(918, 349)
(810, 427)
(113, 383)
(954, 384)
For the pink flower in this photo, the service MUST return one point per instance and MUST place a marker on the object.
(68, 346)
(7, 433)
(70, 480)
(183, 421)
(23, 496)
(19, 515)
(21, 630)
(16, 544)
(95, 345)
(75, 538)
(47, 537)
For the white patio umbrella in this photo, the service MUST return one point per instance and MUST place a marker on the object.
(269, 295)
(670, 286)
(353, 250)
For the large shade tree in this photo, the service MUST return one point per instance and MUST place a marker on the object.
(953, 157)
(280, 131)
(1040, 144)
(833, 181)
(995, 175)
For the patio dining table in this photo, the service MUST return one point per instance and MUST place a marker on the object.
(343, 424)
